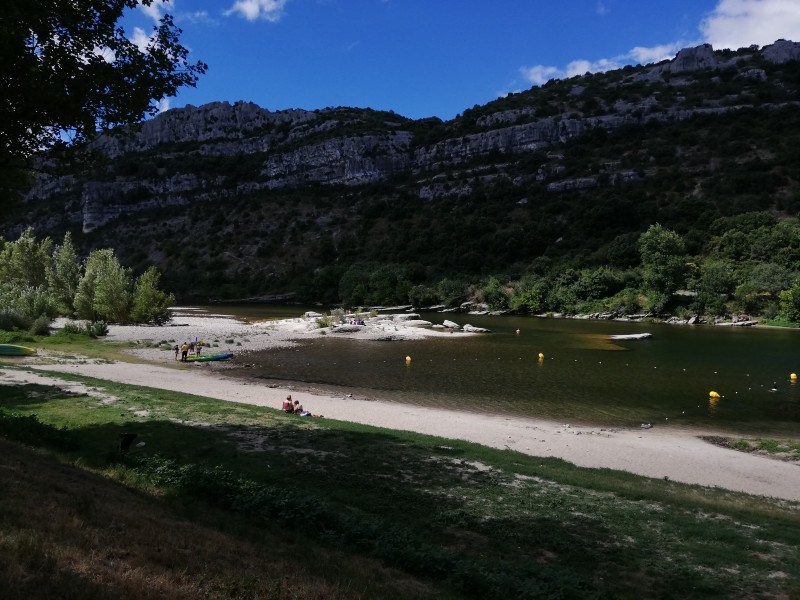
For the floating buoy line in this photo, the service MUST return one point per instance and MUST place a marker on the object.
(713, 396)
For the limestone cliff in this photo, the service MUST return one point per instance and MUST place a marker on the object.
(221, 150)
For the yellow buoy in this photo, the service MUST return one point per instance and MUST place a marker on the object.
(408, 359)
(713, 395)
(793, 376)
(541, 356)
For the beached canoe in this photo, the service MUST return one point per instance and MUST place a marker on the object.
(14, 350)
(207, 357)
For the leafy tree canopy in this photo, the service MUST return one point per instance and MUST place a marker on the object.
(68, 70)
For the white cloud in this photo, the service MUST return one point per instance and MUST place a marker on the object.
(539, 75)
(643, 55)
(163, 105)
(269, 10)
(732, 24)
(739, 23)
(200, 16)
(579, 67)
(141, 39)
(106, 53)
(601, 9)
(155, 10)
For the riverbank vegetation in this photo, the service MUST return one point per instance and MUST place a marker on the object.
(39, 282)
(226, 500)
(748, 266)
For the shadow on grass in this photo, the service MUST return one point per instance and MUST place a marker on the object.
(484, 523)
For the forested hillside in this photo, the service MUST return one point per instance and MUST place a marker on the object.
(604, 192)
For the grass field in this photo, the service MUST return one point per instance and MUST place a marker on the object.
(223, 500)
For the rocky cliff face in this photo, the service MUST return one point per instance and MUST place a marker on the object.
(227, 149)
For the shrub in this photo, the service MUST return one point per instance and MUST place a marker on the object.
(494, 295)
(40, 326)
(72, 328)
(11, 319)
(421, 295)
(790, 304)
(93, 330)
(97, 329)
(626, 302)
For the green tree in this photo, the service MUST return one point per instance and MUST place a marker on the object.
(113, 291)
(150, 305)
(594, 284)
(530, 300)
(770, 278)
(494, 294)
(422, 295)
(23, 306)
(383, 283)
(70, 68)
(451, 292)
(64, 275)
(529, 295)
(663, 260)
(790, 304)
(105, 289)
(26, 261)
(353, 286)
(714, 286)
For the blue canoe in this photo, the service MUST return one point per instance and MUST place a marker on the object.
(207, 357)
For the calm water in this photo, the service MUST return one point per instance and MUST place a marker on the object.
(584, 376)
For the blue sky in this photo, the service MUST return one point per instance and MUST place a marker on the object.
(424, 58)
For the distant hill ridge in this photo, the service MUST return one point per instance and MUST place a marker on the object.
(201, 158)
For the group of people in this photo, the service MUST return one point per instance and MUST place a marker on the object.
(295, 408)
(188, 348)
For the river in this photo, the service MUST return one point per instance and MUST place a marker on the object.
(583, 378)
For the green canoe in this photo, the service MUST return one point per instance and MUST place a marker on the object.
(207, 357)
(13, 350)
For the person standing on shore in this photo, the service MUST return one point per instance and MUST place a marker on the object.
(184, 351)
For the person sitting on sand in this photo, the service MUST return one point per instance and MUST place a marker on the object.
(298, 408)
(287, 404)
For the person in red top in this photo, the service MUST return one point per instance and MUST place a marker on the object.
(287, 404)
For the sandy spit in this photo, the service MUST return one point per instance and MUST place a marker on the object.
(660, 452)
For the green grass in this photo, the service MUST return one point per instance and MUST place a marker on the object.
(779, 322)
(785, 449)
(454, 518)
(74, 344)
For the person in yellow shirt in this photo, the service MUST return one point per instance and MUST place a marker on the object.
(184, 351)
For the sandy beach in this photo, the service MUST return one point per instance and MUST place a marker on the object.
(661, 452)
